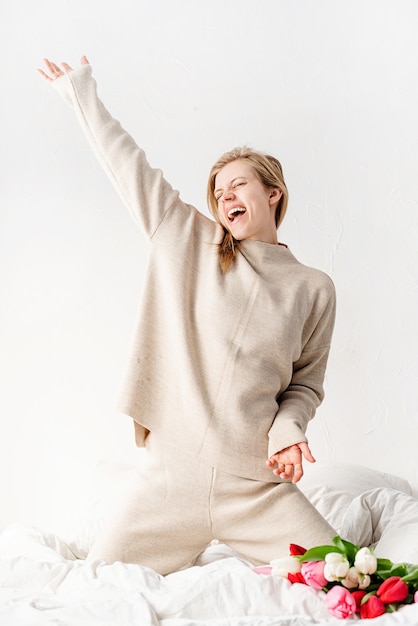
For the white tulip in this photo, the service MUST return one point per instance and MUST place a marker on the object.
(336, 566)
(364, 581)
(351, 579)
(365, 561)
(286, 565)
(355, 579)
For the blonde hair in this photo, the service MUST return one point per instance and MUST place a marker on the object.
(270, 173)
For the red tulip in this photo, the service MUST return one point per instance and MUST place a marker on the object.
(297, 578)
(358, 596)
(296, 550)
(393, 589)
(372, 608)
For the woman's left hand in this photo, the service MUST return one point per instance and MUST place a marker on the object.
(289, 461)
(55, 71)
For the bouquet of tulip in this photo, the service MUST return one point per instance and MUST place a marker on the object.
(355, 581)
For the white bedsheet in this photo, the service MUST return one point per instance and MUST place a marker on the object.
(47, 583)
(43, 582)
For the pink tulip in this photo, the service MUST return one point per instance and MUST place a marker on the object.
(372, 608)
(416, 596)
(263, 569)
(313, 573)
(340, 602)
(393, 589)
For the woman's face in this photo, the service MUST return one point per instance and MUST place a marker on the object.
(245, 206)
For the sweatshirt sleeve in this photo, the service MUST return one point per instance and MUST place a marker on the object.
(298, 403)
(143, 189)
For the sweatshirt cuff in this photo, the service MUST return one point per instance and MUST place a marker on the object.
(64, 84)
(282, 434)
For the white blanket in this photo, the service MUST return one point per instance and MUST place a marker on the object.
(43, 582)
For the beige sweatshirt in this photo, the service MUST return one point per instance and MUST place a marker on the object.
(227, 368)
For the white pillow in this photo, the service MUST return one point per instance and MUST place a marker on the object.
(385, 517)
(331, 487)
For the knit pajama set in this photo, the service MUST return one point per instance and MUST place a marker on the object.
(225, 370)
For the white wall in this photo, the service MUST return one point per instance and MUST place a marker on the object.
(330, 87)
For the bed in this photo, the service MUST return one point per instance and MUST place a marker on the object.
(44, 578)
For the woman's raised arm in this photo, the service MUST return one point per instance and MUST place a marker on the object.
(143, 189)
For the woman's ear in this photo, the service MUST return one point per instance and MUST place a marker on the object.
(275, 195)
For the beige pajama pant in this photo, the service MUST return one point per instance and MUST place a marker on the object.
(176, 507)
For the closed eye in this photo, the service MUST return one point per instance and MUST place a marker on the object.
(234, 185)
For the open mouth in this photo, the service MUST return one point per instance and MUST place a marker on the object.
(235, 212)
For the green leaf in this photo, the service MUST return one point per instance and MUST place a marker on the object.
(318, 553)
(411, 576)
(367, 597)
(347, 548)
(398, 569)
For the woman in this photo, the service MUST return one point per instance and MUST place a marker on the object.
(228, 359)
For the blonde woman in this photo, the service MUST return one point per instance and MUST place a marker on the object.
(228, 360)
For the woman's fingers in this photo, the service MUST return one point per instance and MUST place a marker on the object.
(304, 448)
(54, 71)
(297, 472)
(45, 76)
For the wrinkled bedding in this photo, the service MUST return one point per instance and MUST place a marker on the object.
(44, 578)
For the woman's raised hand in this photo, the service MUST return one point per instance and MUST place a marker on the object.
(54, 71)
